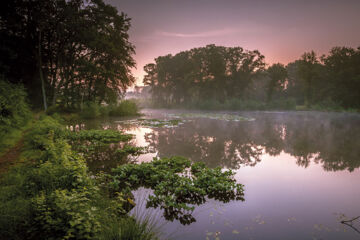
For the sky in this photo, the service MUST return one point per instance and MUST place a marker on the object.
(282, 30)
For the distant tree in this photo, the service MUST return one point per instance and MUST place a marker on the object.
(343, 74)
(308, 74)
(207, 73)
(277, 74)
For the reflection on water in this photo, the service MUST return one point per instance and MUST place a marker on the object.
(300, 171)
(331, 140)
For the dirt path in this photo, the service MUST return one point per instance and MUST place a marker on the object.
(9, 158)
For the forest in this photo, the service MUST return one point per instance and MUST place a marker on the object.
(217, 77)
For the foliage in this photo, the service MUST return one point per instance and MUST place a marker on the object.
(210, 73)
(14, 110)
(98, 136)
(225, 117)
(65, 214)
(178, 185)
(277, 74)
(220, 78)
(81, 48)
(52, 195)
(91, 110)
(154, 122)
(124, 108)
(129, 228)
(14, 113)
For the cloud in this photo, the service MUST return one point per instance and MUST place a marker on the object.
(212, 33)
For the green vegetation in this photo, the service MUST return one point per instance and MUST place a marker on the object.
(123, 108)
(231, 78)
(153, 122)
(61, 62)
(52, 195)
(225, 117)
(14, 114)
(178, 185)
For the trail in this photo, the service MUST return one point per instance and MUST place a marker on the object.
(11, 155)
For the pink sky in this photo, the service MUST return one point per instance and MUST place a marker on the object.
(280, 29)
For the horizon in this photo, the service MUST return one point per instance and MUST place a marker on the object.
(281, 30)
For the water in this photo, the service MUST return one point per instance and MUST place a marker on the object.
(300, 171)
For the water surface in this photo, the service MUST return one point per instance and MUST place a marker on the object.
(300, 171)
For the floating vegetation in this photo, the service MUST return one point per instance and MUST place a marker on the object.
(153, 122)
(217, 116)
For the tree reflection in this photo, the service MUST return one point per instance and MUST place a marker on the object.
(322, 138)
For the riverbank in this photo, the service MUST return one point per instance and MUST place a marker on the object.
(249, 105)
(51, 194)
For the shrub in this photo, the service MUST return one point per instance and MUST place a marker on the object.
(210, 104)
(327, 105)
(14, 113)
(64, 214)
(91, 110)
(283, 104)
(124, 108)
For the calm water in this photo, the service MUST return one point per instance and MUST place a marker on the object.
(300, 171)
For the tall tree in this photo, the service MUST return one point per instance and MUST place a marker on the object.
(277, 77)
(308, 74)
(79, 49)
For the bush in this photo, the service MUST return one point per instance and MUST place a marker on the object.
(124, 108)
(64, 214)
(14, 113)
(327, 105)
(282, 104)
(53, 196)
(209, 104)
(91, 110)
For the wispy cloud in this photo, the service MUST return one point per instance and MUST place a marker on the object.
(212, 33)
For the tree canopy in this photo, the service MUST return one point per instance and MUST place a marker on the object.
(76, 50)
(228, 75)
(211, 72)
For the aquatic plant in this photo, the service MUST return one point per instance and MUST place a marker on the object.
(153, 122)
(178, 185)
(217, 116)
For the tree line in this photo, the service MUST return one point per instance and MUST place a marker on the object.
(228, 74)
(66, 52)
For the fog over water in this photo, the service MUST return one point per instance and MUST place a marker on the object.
(300, 171)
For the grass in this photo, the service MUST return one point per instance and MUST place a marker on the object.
(129, 228)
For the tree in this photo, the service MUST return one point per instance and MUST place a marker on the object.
(343, 74)
(207, 73)
(308, 74)
(79, 49)
(277, 74)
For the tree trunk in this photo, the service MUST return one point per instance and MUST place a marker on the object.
(41, 73)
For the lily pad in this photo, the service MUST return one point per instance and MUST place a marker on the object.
(167, 123)
(217, 116)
